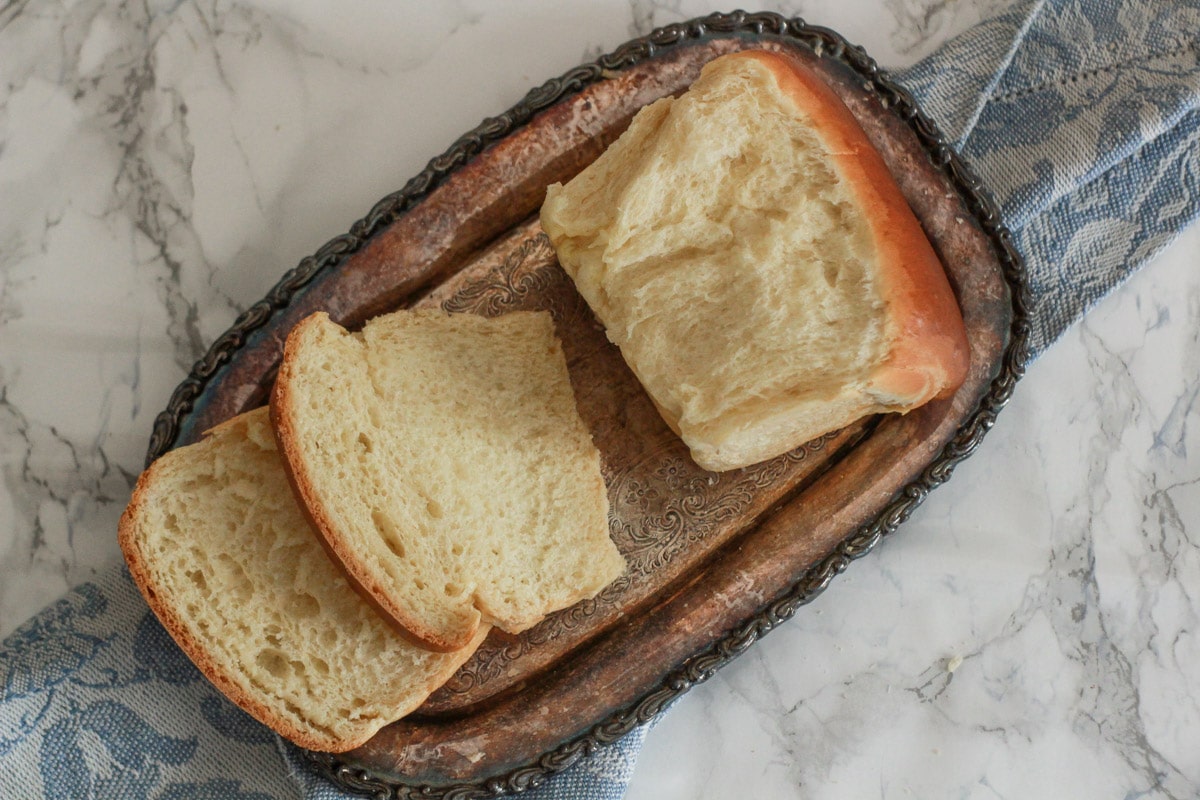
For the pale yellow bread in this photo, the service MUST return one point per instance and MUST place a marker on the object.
(444, 462)
(747, 249)
(216, 543)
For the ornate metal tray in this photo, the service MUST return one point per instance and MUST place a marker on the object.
(715, 560)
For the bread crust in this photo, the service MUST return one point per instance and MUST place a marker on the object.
(925, 352)
(128, 539)
(929, 356)
(287, 440)
(480, 599)
(130, 543)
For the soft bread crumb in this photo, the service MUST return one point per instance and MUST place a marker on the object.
(444, 461)
(217, 544)
(748, 252)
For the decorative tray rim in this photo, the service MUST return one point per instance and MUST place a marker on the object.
(824, 43)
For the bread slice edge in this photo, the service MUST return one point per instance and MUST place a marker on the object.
(130, 542)
(286, 439)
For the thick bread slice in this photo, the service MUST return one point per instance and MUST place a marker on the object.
(216, 543)
(746, 248)
(444, 461)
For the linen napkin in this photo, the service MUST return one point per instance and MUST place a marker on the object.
(1082, 117)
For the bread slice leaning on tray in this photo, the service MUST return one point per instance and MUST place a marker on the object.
(746, 248)
(226, 560)
(443, 460)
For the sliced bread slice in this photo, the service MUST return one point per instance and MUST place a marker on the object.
(747, 249)
(444, 461)
(216, 543)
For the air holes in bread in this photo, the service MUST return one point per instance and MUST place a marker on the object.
(305, 606)
(388, 532)
(273, 661)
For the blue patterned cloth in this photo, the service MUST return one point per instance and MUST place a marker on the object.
(1082, 117)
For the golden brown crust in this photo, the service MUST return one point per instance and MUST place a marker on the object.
(923, 350)
(286, 439)
(130, 543)
(930, 354)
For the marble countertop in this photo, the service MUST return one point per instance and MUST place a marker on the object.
(1031, 632)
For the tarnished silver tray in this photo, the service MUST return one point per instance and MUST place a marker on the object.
(716, 561)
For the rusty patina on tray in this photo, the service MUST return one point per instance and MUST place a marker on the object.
(715, 560)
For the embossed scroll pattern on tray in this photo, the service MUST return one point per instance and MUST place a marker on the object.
(825, 45)
(662, 505)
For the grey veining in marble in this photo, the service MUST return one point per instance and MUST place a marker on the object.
(1030, 633)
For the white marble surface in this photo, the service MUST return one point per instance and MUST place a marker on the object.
(1031, 632)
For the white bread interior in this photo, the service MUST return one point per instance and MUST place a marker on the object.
(746, 248)
(443, 460)
(216, 543)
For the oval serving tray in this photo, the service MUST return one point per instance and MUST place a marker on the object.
(715, 560)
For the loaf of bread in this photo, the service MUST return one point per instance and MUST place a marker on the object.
(747, 249)
(216, 543)
(444, 462)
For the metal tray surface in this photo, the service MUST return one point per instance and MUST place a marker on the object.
(715, 560)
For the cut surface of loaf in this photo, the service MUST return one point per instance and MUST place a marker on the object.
(746, 248)
(444, 462)
(216, 543)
